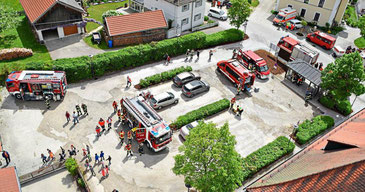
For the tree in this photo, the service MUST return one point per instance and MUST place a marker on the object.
(209, 160)
(344, 77)
(304, 24)
(239, 12)
(9, 18)
(110, 13)
(361, 26)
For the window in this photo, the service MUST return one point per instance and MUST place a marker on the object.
(184, 21)
(198, 3)
(306, 1)
(197, 17)
(185, 7)
(302, 12)
(10, 85)
(234, 74)
(291, 6)
(321, 3)
(316, 16)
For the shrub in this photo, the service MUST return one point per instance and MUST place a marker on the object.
(327, 102)
(201, 113)
(110, 13)
(344, 107)
(309, 129)
(227, 36)
(206, 18)
(71, 166)
(81, 182)
(211, 21)
(274, 12)
(161, 77)
(265, 156)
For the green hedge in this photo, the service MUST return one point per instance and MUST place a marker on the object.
(309, 129)
(71, 165)
(161, 77)
(200, 113)
(344, 107)
(80, 68)
(265, 156)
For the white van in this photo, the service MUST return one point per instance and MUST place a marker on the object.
(217, 13)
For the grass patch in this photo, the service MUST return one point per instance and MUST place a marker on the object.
(350, 16)
(15, 4)
(23, 37)
(360, 42)
(96, 12)
(255, 3)
(88, 40)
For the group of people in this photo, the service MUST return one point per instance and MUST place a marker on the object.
(101, 126)
(297, 79)
(318, 66)
(51, 157)
(236, 108)
(191, 54)
(75, 115)
(219, 4)
(99, 160)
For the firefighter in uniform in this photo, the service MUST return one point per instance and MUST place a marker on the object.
(48, 102)
(78, 109)
(102, 123)
(124, 116)
(98, 130)
(128, 147)
(119, 114)
(84, 108)
(129, 135)
(115, 106)
(109, 121)
(121, 135)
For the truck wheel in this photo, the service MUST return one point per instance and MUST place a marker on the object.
(159, 108)
(148, 146)
(176, 101)
(259, 76)
(324, 47)
(209, 15)
(18, 96)
(307, 39)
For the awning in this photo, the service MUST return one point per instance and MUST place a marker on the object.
(306, 70)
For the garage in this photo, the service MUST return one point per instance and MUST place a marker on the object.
(50, 34)
(69, 30)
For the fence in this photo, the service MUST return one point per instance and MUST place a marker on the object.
(205, 26)
(41, 172)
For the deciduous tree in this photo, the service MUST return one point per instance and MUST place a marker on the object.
(239, 12)
(209, 160)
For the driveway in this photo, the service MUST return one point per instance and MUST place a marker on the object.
(72, 46)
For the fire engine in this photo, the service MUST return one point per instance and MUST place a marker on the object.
(36, 85)
(251, 60)
(147, 124)
(290, 49)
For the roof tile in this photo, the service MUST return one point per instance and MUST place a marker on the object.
(8, 180)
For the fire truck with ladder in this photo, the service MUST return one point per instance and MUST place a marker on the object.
(291, 49)
(36, 85)
(147, 125)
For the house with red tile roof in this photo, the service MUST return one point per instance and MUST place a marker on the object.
(135, 28)
(9, 181)
(53, 19)
(335, 162)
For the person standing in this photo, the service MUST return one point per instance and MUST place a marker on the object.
(102, 124)
(210, 54)
(84, 108)
(240, 110)
(115, 106)
(62, 157)
(109, 159)
(78, 109)
(129, 135)
(75, 118)
(320, 66)
(6, 156)
(140, 149)
(50, 155)
(98, 130)
(234, 54)
(44, 158)
(107, 170)
(197, 53)
(88, 149)
(233, 101)
(191, 54)
(168, 59)
(91, 168)
(97, 158)
(73, 149)
(238, 89)
(128, 147)
(121, 135)
(119, 114)
(129, 82)
(109, 122)
(68, 116)
(187, 54)
(316, 65)
(101, 156)
(48, 102)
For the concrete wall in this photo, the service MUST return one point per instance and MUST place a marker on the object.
(175, 13)
(331, 10)
(138, 37)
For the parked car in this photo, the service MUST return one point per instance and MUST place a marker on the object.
(322, 39)
(217, 13)
(184, 131)
(297, 23)
(338, 51)
(194, 88)
(183, 78)
(163, 100)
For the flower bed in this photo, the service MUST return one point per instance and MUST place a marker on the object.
(161, 77)
(200, 113)
(265, 156)
(309, 129)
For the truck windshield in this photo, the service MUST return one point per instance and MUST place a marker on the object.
(280, 17)
(153, 100)
(263, 68)
(163, 138)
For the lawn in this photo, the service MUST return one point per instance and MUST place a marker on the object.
(22, 36)
(360, 42)
(96, 12)
(15, 4)
(102, 45)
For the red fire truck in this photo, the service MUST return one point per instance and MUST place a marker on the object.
(36, 85)
(147, 124)
(236, 73)
(291, 49)
(251, 60)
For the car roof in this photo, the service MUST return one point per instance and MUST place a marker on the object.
(252, 55)
(161, 96)
(295, 21)
(184, 75)
(193, 84)
(215, 9)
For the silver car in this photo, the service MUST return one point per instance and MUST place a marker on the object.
(195, 87)
(185, 77)
(184, 131)
(163, 100)
(297, 23)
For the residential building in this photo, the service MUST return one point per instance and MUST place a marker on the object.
(335, 162)
(320, 11)
(135, 28)
(53, 19)
(182, 14)
(9, 180)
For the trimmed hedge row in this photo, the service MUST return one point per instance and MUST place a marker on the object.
(81, 68)
(200, 113)
(309, 129)
(342, 106)
(265, 156)
(161, 77)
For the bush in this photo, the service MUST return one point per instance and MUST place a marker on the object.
(309, 129)
(227, 36)
(327, 102)
(274, 12)
(344, 107)
(81, 182)
(161, 77)
(200, 113)
(206, 18)
(110, 13)
(71, 166)
(211, 21)
(265, 156)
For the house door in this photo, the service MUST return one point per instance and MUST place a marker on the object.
(69, 30)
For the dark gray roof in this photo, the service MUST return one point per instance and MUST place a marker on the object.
(73, 4)
(306, 70)
(139, 1)
(179, 2)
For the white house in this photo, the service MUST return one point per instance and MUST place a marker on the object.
(184, 14)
